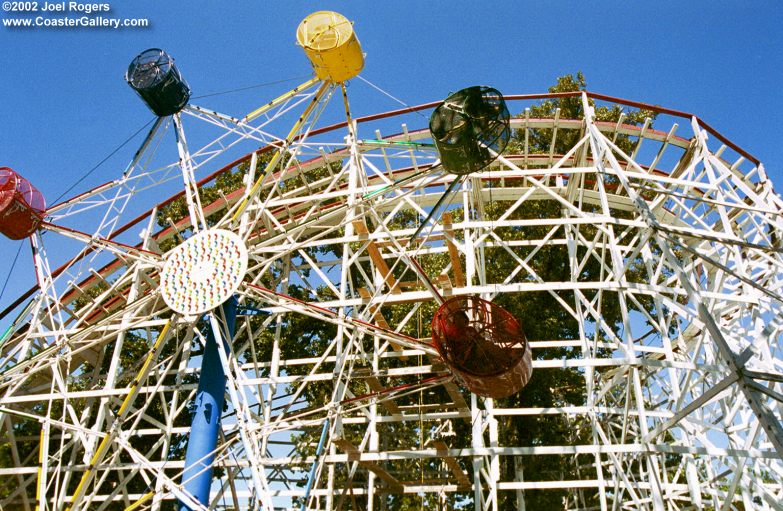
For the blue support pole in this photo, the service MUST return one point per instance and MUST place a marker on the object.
(204, 430)
(311, 477)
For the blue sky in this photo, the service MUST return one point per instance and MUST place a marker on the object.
(65, 105)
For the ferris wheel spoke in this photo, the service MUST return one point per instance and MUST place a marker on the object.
(436, 208)
(121, 250)
(192, 197)
(280, 99)
(104, 445)
(237, 211)
(242, 413)
(127, 178)
(279, 301)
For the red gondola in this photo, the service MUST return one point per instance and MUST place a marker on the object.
(22, 207)
(483, 345)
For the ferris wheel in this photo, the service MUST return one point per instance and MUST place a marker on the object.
(446, 304)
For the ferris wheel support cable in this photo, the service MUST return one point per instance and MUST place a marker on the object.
(242, 206)
(8, 277)
(385, 93)
(446, 195)
(154, 128)
(249, 87)
(126, 173)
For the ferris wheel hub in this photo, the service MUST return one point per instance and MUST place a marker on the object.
(203, 272)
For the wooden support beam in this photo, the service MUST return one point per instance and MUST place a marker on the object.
(451, 387)
(377, 258)
(389, 405)
(354, 455)
(444, 282)
(463, 482)
(456, 396)
(360, 227)
(456, 265)
(406, 242)
(381, 321)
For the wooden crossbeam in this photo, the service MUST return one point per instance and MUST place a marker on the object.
(451, 387)
(463, 482)
(360, 227)
(389, 405)
(444, 281)
(456, 265)
(354, 455)
(381, 321)
(405, 242)
(456, 396)
(377, 258)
